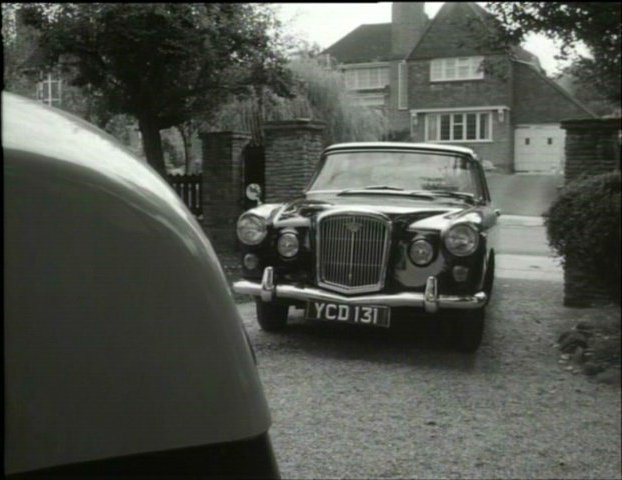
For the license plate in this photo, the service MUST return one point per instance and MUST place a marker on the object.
(374, 315)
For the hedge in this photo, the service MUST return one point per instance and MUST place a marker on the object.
(583, 224)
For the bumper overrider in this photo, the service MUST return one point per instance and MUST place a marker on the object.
(429, 300)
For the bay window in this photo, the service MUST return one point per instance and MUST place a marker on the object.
(458, 127)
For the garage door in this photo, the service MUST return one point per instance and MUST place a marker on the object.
(539, 148)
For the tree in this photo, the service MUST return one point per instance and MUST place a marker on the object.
(319, 94)
(595, 24)
(16, 49)
(586, 92)
(161, 63)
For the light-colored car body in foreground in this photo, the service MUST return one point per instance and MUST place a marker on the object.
(120, 333)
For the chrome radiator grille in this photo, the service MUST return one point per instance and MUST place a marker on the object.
(352, 252)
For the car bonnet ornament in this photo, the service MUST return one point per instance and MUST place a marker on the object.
(353, 226)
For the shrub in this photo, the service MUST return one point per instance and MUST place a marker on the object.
(320, 94)
(583, 225)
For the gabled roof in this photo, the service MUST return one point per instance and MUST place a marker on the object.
(372, 42)
(449, 33)
(457, 18)
(526, 112)
(366, 43)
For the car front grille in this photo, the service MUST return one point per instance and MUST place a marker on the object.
(352, 251)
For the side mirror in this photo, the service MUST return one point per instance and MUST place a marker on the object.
(497, 212)
(253, 192)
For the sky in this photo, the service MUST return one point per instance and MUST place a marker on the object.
(325, 23)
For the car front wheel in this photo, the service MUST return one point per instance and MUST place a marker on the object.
(489, 279)
(467, 330)
(271, 316)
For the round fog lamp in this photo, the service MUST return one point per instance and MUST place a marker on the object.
(421, 252)
(288, 245)
(250, 261)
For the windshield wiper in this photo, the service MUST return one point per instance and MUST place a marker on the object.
(469, 197)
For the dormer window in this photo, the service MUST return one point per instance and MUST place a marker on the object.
(456, 68)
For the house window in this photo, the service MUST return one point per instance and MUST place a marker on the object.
(367, 78)
(402, 95)
(49, 90)
(457, 68)
(458, 127)
(368, 99)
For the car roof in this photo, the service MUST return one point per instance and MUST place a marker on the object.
(401, 145)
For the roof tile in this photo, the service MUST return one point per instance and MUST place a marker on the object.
(366, 43)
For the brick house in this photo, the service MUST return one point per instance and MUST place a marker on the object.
(437, 82)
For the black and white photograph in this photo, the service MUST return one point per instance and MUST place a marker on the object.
(374, 240)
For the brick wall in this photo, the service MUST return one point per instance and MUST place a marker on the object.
(592, 148)
(292, 150)
(408, 20)
(222, 187)
(491, 90)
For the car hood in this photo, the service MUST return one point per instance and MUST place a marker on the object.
(417, 212)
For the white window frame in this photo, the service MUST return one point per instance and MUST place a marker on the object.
(44, 90)
(455, 69)
(371, 100)
(457, 119)
(366, 76)
(402, 84)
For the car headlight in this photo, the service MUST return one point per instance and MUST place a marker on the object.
(288, 245)
(251, 229)
(462, 240)
(421, 252)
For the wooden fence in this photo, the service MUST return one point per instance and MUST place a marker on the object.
(188, 187)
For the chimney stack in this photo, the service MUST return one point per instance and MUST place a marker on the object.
(408, 20)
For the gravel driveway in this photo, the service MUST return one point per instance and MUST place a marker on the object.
(354, 403)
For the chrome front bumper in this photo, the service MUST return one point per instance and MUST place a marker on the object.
(429, 300)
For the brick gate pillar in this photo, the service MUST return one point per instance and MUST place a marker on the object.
(222, 194)
(292, 150)
(592, 147)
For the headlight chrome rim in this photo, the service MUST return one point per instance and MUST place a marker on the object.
(421, 252)
(251, 229)
(288, 245)
(462, 240)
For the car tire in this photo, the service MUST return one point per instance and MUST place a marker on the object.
(489, 280)
(467, 330)
(271, 316)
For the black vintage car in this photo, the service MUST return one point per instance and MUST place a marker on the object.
(381, 225)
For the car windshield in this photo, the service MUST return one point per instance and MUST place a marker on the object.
(398, 170)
